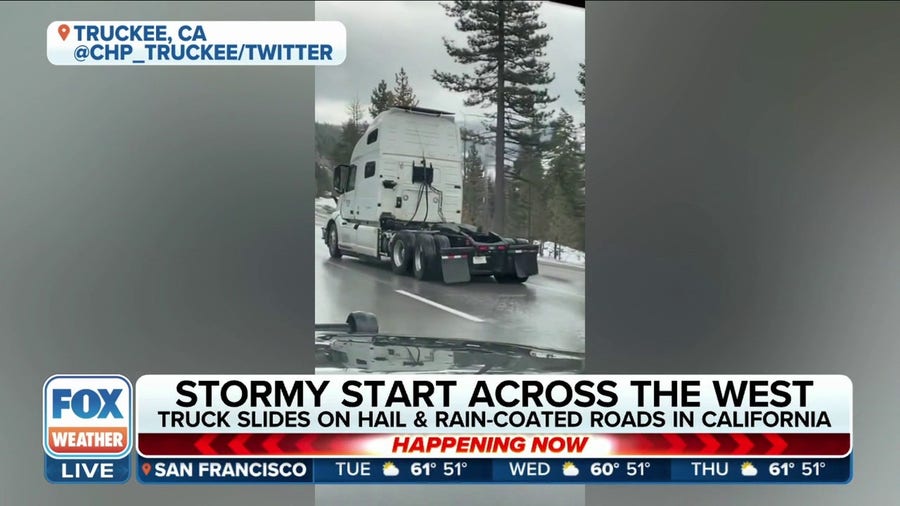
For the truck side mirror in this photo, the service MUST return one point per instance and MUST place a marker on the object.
(340, 173)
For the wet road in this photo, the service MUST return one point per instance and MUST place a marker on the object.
(546, 311)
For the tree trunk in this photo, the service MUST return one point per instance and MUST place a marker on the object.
(499, 217)
(530, 208)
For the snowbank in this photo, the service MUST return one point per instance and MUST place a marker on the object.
(325, 206)
(567, 255)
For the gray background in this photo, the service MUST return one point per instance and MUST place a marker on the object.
(151, 220)
(743, 218)
(744, 211)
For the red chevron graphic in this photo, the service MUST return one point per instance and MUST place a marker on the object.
(677, 444)
(204, 444)
(778, 444)
(744, 444)
(710, 443)
(304, 445)
(726, 444)
(643, 441)
(271, 444)
(237, 444)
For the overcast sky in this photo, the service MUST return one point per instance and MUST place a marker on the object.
(383, 36)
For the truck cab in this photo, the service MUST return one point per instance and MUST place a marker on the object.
(400, 198)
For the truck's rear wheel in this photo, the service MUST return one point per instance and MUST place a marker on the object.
(425, 263)
(333, 247)
(402, 249)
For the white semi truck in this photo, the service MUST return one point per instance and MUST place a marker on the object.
(400, 198)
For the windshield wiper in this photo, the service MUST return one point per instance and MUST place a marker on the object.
(358, 322)
(485, 368)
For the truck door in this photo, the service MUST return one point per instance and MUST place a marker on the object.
(368, 193)
(347, 225)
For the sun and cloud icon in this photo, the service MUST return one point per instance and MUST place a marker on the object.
(389, 469)
(569, 469)
(748, 469)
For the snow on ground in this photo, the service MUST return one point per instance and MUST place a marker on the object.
(325, 206)
(567, 255)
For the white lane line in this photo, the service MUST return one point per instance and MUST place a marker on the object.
(441, 306)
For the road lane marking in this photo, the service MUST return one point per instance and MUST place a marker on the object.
(441, 306)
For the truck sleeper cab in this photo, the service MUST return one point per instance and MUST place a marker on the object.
(400, 198)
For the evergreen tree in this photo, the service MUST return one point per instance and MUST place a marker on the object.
(324, 146)
(510, 74)
(323, 180)
(473, 187)
(355, 111)
(382, 99)
(565, 182)
(487, 213)
(527, 203)
(351, 131)
(580, 91)
(403, 93)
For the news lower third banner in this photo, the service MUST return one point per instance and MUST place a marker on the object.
(578, 429)
(143, 43)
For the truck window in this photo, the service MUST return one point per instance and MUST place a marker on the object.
(373, 136)
(370, 169)
(351, 179)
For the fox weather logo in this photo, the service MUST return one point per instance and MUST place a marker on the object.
(87, 425)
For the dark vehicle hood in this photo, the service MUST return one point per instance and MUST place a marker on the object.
(342, 353)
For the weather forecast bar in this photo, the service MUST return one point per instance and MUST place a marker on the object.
(385, 429)
(497, 471)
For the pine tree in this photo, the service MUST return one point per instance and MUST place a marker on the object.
(355, 111)
(473, 187)
(565, 181)
(323, 180)
(403, 92)
(527, 196)
(382, 99)
(580, 91)
(487, 213)
(510, 75)
(322, 170)
(351, 131)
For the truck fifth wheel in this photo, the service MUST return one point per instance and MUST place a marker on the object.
(400, 199)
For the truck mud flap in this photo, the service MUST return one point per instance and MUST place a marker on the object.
(455, 267)
(524, 261)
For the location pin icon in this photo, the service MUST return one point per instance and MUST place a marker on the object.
(63, 31)
(146, 468)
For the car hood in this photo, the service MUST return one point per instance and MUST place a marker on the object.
(339, 353)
